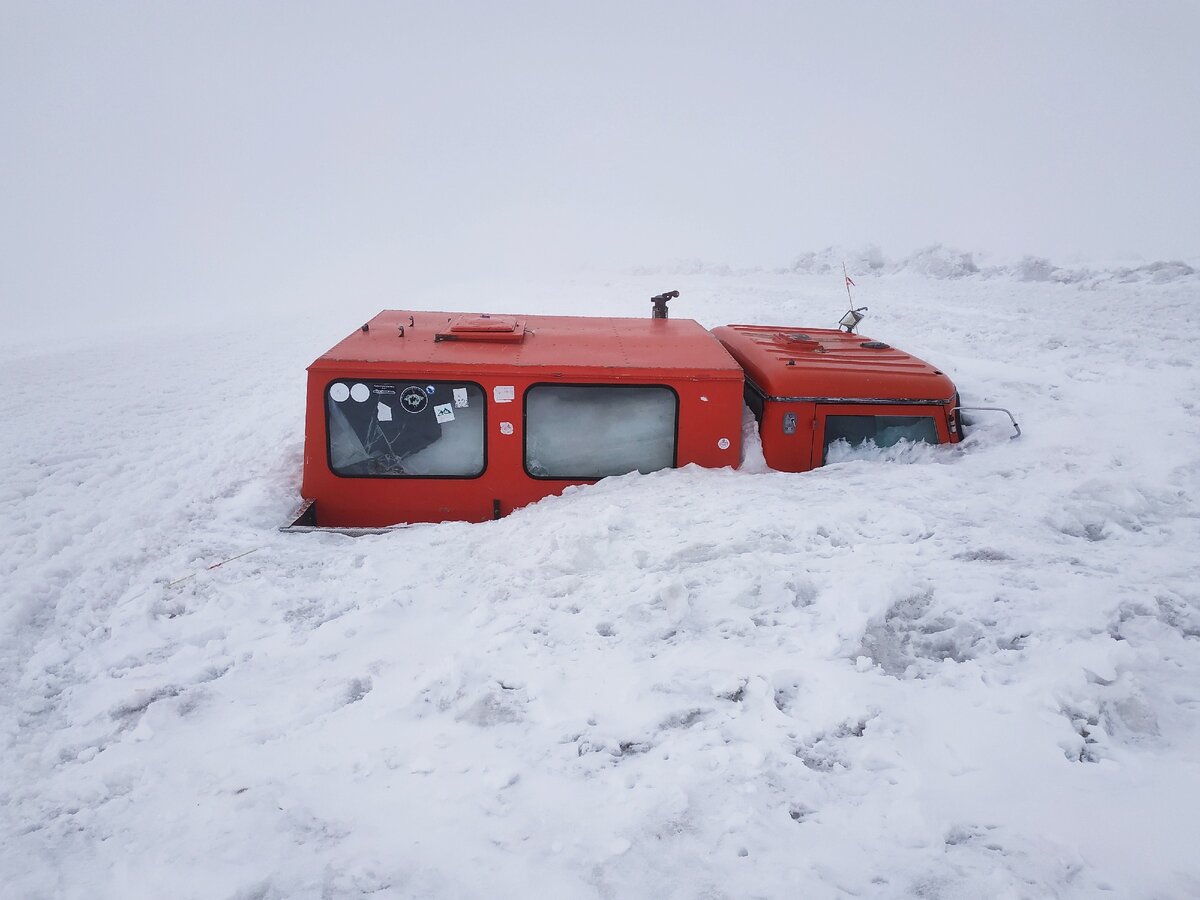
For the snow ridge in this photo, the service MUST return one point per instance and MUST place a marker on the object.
(938, 261)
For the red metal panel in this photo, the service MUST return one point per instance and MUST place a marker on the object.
(787, 445)
(629, 348)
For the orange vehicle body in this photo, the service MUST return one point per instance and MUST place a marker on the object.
(435, 416)
(505, 358)
(800, 384)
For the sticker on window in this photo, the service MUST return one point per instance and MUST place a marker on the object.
(384, 412)
(444, 413)
(503, 393)
(414, 399)
(460, 398)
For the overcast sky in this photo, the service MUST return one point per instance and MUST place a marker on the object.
(162, 155)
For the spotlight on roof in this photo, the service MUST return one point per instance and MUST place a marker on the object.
(851, 319)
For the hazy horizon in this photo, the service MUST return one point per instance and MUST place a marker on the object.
(167, 157)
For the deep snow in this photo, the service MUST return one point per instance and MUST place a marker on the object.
(966, 671)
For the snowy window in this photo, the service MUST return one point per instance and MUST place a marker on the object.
(882, 431)
(405, 429)
(590, 431)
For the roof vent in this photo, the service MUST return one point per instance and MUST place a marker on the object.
(875, 345)
(796, 341)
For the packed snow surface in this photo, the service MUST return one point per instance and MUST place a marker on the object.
(939, 672)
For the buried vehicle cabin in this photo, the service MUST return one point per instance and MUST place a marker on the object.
(434, 416)
(428, 417)
(809, 389)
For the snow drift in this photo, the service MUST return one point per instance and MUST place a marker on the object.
(970, 670)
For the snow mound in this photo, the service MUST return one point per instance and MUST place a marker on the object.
(941, 262)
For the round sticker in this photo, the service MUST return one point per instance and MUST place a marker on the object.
(506, 428)
(413, 399)
(360, 392)
(723, 443)
(339, 393)
(429, 389)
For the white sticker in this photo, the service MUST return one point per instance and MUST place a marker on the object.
(384, 412)
(503, 393)
(723, 443)
(460, 398)
(339, 393)
(444, 413)
(360, 392)
(414, 399)
(506, 428)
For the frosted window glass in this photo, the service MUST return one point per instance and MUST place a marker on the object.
(591, 431)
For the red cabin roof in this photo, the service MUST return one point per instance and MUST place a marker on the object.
(620, 349)
(829, 365)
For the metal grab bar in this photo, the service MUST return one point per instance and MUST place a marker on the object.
(993, 409)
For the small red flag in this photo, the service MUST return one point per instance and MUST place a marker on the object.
(849, 282)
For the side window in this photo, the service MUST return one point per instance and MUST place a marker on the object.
(581, 432)
(405, 429)
(882, 431)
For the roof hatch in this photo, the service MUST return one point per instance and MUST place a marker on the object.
(484, 328)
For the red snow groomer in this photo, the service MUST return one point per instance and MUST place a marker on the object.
(431, 416)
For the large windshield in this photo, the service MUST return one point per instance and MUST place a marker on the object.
(882, 431)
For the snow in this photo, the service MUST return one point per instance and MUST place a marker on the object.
(967, 671)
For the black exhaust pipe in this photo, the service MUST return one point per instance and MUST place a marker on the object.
(660, 304)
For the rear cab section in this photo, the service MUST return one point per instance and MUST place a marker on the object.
(431, 417)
